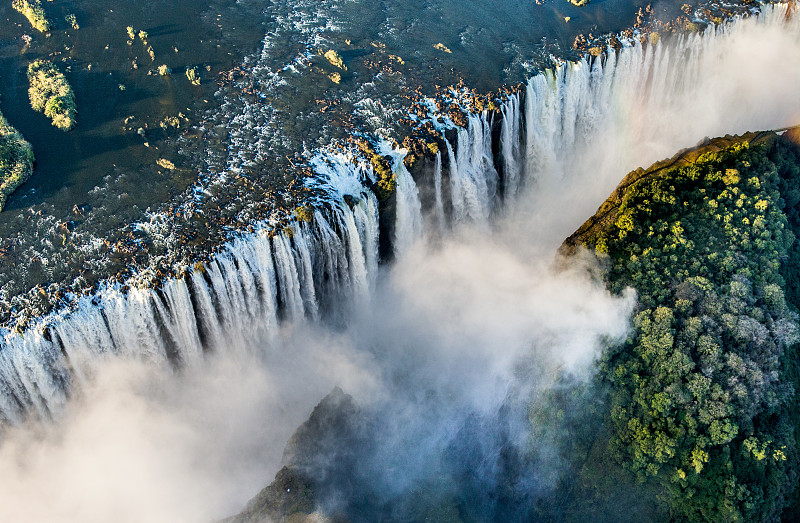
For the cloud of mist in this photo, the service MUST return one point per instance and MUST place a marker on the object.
(450, 332)
(143, 443)
(465, 333)
(459, 337)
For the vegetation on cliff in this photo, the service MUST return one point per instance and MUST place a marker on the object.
(16, 160)
(387, 182)
(50, 93)
(700, 396)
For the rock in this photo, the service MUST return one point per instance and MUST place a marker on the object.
(334, 59)
(441, 47)
(321, 449)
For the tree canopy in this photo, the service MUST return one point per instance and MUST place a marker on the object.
(700, 396)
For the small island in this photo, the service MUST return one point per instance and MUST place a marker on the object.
(32, 10)
(16, 160)
(50, 92)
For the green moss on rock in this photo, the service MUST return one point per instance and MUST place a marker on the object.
(382, 166)
(304, 213)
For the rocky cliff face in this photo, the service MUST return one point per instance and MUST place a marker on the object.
(319, 451)
(333, 472)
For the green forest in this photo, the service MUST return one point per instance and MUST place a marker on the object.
(697, 413)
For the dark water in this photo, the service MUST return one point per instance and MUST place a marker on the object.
(216, 35)
(97, 61)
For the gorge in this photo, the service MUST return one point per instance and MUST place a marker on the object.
(444, 351)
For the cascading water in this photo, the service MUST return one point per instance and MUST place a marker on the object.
(437, 185)
(366, 216)
(233, 299)
(510, 143)
(473, 178)
(408, 222)
(240, 296)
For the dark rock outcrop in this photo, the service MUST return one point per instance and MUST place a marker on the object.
(316, 458)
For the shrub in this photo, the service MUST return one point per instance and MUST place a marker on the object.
(72, 21)
(334, 59)
(191, 74)
(16, 160)
(32, 10)
(50, 93)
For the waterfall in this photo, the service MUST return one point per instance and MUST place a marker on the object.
(306, 276)
(288, 278)
(32, 378)
(408, 225)
(656, 99)
(331, 260)
(473, 178)
(207, 317)
(437, 184)
(181, 320)
(358, 266)
(366, 216)
(234, 299)
(635, 95)
(358, 226)
(510, 143)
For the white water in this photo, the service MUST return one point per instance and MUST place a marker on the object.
(473, 178)
(408, 209)
(510, 142)
(439, 201)
(583, 126)
(233, 301)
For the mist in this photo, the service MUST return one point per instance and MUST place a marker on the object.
(462, 335)
(146, 443)
(449, 333)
